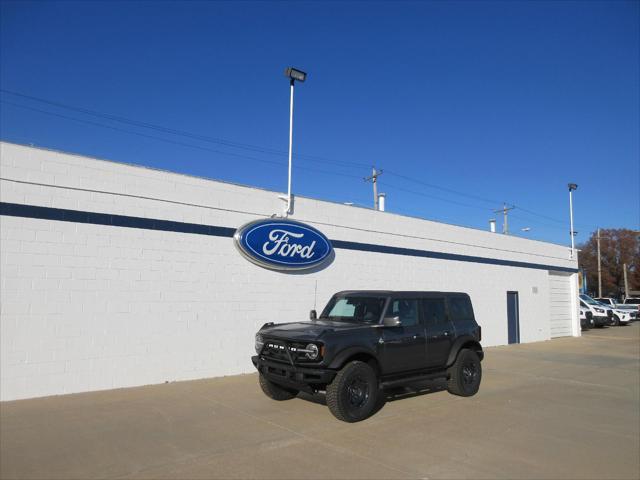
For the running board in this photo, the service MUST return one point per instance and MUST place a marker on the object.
(411, 379)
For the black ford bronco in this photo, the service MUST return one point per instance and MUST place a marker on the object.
(365, 341)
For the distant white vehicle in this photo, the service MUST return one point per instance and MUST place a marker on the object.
(621, 317)
(600, 317)
(630, 309)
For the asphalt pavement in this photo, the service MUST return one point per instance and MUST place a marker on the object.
(565, 408)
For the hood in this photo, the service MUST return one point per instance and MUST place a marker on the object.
(308, 330)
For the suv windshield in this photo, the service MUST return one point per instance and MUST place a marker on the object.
(632, 301)
(354, 309)
(588, 299)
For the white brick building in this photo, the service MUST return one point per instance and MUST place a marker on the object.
(116, 275)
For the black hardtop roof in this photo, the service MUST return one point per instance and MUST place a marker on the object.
(387, 293)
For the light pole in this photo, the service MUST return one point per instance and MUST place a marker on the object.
(293, 74)
(572, 187)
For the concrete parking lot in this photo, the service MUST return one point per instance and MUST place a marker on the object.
(567, 408)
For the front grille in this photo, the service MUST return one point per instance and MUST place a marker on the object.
(282, 351)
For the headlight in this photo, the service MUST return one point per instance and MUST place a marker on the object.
(259, 343)
(599, 310)
(312, 351)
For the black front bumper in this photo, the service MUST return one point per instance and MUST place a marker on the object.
(300, 378)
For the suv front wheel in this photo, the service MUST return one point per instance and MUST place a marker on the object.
(353, 394)
(465, 374)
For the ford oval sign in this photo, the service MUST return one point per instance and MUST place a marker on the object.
(280, 244)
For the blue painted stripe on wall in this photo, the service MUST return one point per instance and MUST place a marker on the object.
(76, 216)
(367, 247)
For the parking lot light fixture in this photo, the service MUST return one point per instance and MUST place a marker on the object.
(295, 74)
(572, 233)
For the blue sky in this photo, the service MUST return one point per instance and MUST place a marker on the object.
(464, 105)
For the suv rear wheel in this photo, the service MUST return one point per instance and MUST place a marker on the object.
(275, 391)
(353, 394)
(465, 374)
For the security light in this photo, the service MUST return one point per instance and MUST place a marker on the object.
(295, 74)
(573, 186)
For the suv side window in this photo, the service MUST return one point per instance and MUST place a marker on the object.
(406, 309)
(460, 309)
(435, 312)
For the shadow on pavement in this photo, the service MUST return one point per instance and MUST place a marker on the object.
(388, 394)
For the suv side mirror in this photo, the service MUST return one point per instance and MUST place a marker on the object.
(313, 315)
(391, 322)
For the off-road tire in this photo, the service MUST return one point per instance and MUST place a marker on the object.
(465, 374)
(274, 391)
(353, 394)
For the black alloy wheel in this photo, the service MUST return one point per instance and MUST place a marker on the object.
(470, 373)
(465, 375)
(358, 391)
(353, 394)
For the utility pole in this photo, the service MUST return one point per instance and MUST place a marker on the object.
(626, 282)
(374, 179)
(505, 224)
(599, 268)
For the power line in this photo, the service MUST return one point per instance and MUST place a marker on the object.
(444, 189)
(189, 145)
(176, 142)
(240, 145)
(476, 197)
(422, 194)
(551, 218)
(539, 222)
(173, 131)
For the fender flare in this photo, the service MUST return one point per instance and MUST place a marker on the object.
(463, 341)
(340, 359)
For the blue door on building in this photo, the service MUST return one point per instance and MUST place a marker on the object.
(513, 317)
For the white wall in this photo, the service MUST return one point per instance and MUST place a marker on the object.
(87, 307)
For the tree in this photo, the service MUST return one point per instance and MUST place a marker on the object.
(617, 247)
